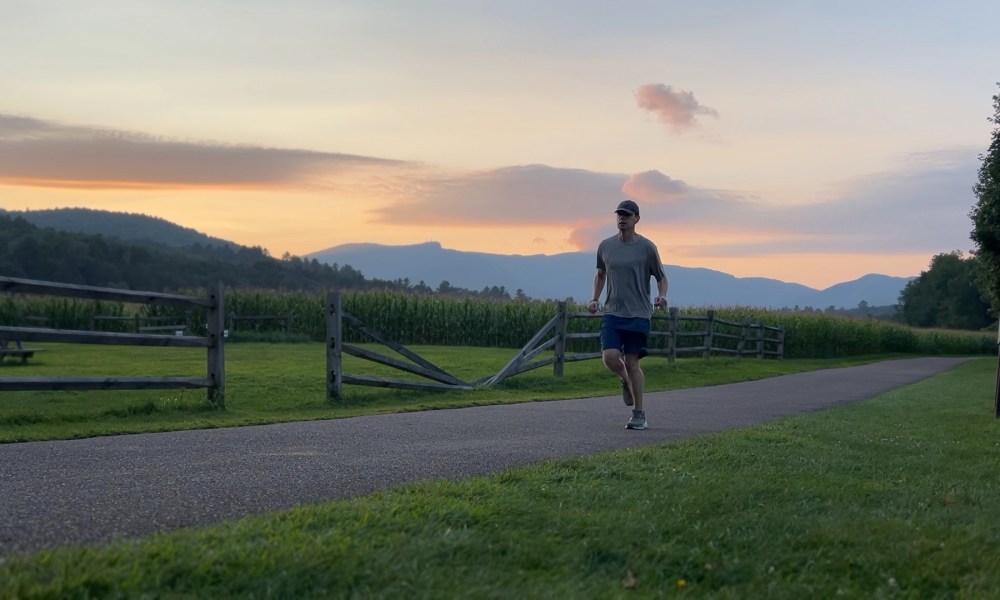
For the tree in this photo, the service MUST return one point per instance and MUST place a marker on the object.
(986, 214)
(945, 295)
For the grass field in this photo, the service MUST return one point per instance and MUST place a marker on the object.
(895, 497)
(267, 383)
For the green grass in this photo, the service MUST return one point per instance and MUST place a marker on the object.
(895, 497)
(268, 383)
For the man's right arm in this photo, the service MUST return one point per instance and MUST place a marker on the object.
(595, 303)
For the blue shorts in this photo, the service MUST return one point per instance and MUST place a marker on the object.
(626, 334)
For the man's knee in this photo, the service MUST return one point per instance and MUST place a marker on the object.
(612, 357)
(631, 362)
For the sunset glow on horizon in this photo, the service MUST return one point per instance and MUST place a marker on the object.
(802, 143)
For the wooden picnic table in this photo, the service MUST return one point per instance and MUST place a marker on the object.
(17, 349)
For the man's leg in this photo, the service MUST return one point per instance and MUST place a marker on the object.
(611, 343)
(633, 349)
(636, 379)
(614, 361)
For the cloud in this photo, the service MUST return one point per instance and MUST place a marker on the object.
(525, 194)
(577, 201)
(588, 237)
(920, 207)
(679, 110)
(654, 186)
(41, 153)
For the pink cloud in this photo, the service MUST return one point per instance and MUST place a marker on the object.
(653, 186)
(587, 237)
(678, 109)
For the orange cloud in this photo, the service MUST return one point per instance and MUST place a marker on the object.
(654, 186)
(40, 153)
(679, 110)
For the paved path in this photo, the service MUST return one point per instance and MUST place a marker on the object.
(92, 490)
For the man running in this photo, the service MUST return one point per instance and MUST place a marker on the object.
(625, 262)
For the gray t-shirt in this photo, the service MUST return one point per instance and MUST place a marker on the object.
(628, 266)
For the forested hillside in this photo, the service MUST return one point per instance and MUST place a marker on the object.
(31, 252)
(125, 226)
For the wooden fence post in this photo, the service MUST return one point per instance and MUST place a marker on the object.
(560, 346)
(672, 331)
(217, 347)
(760, 339)
(334, 345)
(741, 344)
(709, 334)
(781, 344)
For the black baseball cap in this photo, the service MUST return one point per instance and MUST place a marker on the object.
(628, 206)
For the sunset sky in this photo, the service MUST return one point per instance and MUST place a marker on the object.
(812, 142)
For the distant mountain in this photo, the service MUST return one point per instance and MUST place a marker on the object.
(876, 290)
(570, 275)
(124, 226)
(559, 276)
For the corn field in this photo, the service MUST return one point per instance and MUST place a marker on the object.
(433, 320)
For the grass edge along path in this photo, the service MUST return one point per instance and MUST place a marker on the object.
(265, 386)
(891, 497)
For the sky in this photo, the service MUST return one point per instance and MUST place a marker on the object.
(811, 142)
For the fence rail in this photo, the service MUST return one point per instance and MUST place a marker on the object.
(142, 324)
(336, 348)
(716, 336)
(214, 342)
(753, 339)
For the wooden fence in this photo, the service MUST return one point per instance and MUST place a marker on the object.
(214, 342)
(715, 336)
(336, 318)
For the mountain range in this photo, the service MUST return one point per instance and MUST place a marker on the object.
(558, 276)
(571, 274)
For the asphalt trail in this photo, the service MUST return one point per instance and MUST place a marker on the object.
(94, 490)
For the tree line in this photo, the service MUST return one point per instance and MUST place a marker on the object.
(986, 215)
(948, 294)
(45, 253)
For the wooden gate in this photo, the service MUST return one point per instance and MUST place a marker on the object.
(336, 318)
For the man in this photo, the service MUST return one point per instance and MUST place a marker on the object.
(626, 262)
